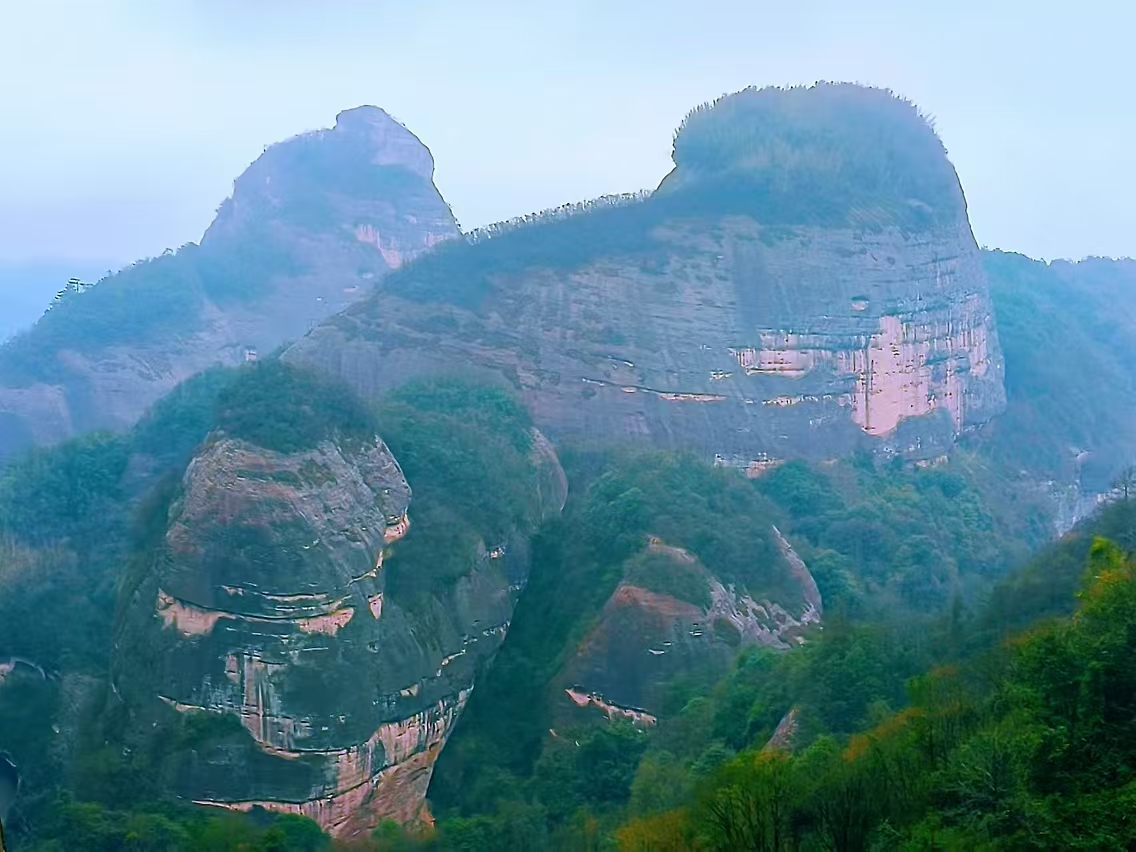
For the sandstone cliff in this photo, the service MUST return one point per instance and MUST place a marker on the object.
(646, 639)
(265, 604)
(310, 226)
(291, 635)
(805, 283)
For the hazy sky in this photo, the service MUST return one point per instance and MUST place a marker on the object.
(124, 122)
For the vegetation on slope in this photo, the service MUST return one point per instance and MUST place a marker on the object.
(466, 452)
(1066, 330)
(829, 155)
(900, 538)
(139, 305)
(941, 734)
(578, 560)
(822, 150)
(1025, 744)
(287, 409)
(901, 555)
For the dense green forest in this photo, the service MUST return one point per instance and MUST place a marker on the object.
(1002, 726)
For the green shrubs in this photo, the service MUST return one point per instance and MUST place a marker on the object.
(287, 409)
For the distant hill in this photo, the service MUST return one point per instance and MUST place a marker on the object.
(1069, 333)
(311, 225)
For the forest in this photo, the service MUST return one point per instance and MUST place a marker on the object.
(1003, 726)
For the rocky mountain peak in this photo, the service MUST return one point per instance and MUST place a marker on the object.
(392, 143)
(367, 170)
(311, 226)
(367, 177)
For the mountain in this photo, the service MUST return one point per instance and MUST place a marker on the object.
(803, 284)
(311, 225)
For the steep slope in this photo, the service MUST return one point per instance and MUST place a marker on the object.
(1016, 738)
(660, 572)
(276, 615)
(804, 283)
(26, 287)
(671, 620)
(310, 225)
(1069, 331)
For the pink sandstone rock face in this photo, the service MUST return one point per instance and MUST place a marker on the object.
(746, 343)
(385, 778)
(910, 367)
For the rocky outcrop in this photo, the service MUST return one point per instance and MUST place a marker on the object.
(785, 733)
(311, 225)
(646, 638)
(717, 314)
(367, 181)
(265, 604)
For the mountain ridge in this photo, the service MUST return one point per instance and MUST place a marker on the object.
(311, 224)
(733, 315)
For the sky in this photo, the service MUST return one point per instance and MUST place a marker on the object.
(124, 122)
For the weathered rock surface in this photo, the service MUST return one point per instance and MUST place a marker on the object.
(691, 321)
(265, 604)
(646, 640)
(311, 224)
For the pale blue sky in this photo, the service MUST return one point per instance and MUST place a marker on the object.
(124, 122)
